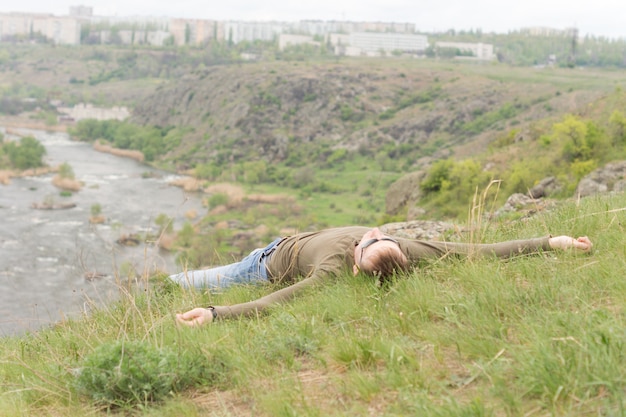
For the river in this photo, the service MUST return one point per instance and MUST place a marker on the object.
(45, 255)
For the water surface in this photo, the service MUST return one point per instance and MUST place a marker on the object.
(47, 255)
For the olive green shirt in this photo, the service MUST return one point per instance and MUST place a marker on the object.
(307, 258)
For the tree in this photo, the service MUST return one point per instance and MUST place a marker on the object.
(580, 140)
(618, 127)
(571, 133)
(28, 154)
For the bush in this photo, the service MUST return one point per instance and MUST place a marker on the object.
(96, 210)
(130, 373)
(438, 176)
(218, 199)
(66, 171)
(28, 154)
(149, 140)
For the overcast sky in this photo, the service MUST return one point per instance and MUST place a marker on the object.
(599, 17)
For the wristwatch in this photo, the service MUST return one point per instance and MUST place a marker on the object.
(213, 312)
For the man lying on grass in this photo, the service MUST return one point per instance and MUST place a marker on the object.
(308, 258)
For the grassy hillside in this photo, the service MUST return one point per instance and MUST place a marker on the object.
(538, 335)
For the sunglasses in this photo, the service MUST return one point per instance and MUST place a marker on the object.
(370, 242)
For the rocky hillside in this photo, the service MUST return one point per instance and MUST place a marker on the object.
(423, 108)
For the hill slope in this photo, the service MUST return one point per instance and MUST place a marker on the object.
(424, 107)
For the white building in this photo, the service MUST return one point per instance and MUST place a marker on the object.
(324, 27)
(375, 43)
(87, 111)
(483, 51)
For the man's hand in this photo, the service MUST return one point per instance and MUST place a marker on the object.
(196, 317)
(565, 242)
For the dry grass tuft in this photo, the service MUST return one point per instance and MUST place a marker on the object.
(188, 184)
(68, 184)
(126, 153)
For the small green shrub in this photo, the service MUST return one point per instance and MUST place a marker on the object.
(217, 199)
(130, 373)
(66, 171)
(96, 209)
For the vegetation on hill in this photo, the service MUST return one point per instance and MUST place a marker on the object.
(282, 121)
(540, 334)
(568, 149)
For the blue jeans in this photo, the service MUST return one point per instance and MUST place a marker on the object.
(250, 269)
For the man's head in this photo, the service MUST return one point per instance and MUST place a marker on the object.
(378, 254)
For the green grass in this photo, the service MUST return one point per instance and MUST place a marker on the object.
(361, 189)
(538, 335)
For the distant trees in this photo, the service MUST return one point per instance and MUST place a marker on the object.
(522, 48)
(151, 141)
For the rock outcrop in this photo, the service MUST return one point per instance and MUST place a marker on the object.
(403, 193)
(611, 177)
(546, 187)
(421, 229)
(524, 204)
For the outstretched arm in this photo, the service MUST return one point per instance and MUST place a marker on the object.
(418, 250)
(201, 316)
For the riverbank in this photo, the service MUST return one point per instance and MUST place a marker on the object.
(25, 122)
(7, 175)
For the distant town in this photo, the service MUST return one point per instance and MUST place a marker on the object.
(344, 38)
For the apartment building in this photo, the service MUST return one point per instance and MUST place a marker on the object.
(236, 32)
(62, 30)
(196, 31)
(353, 38)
